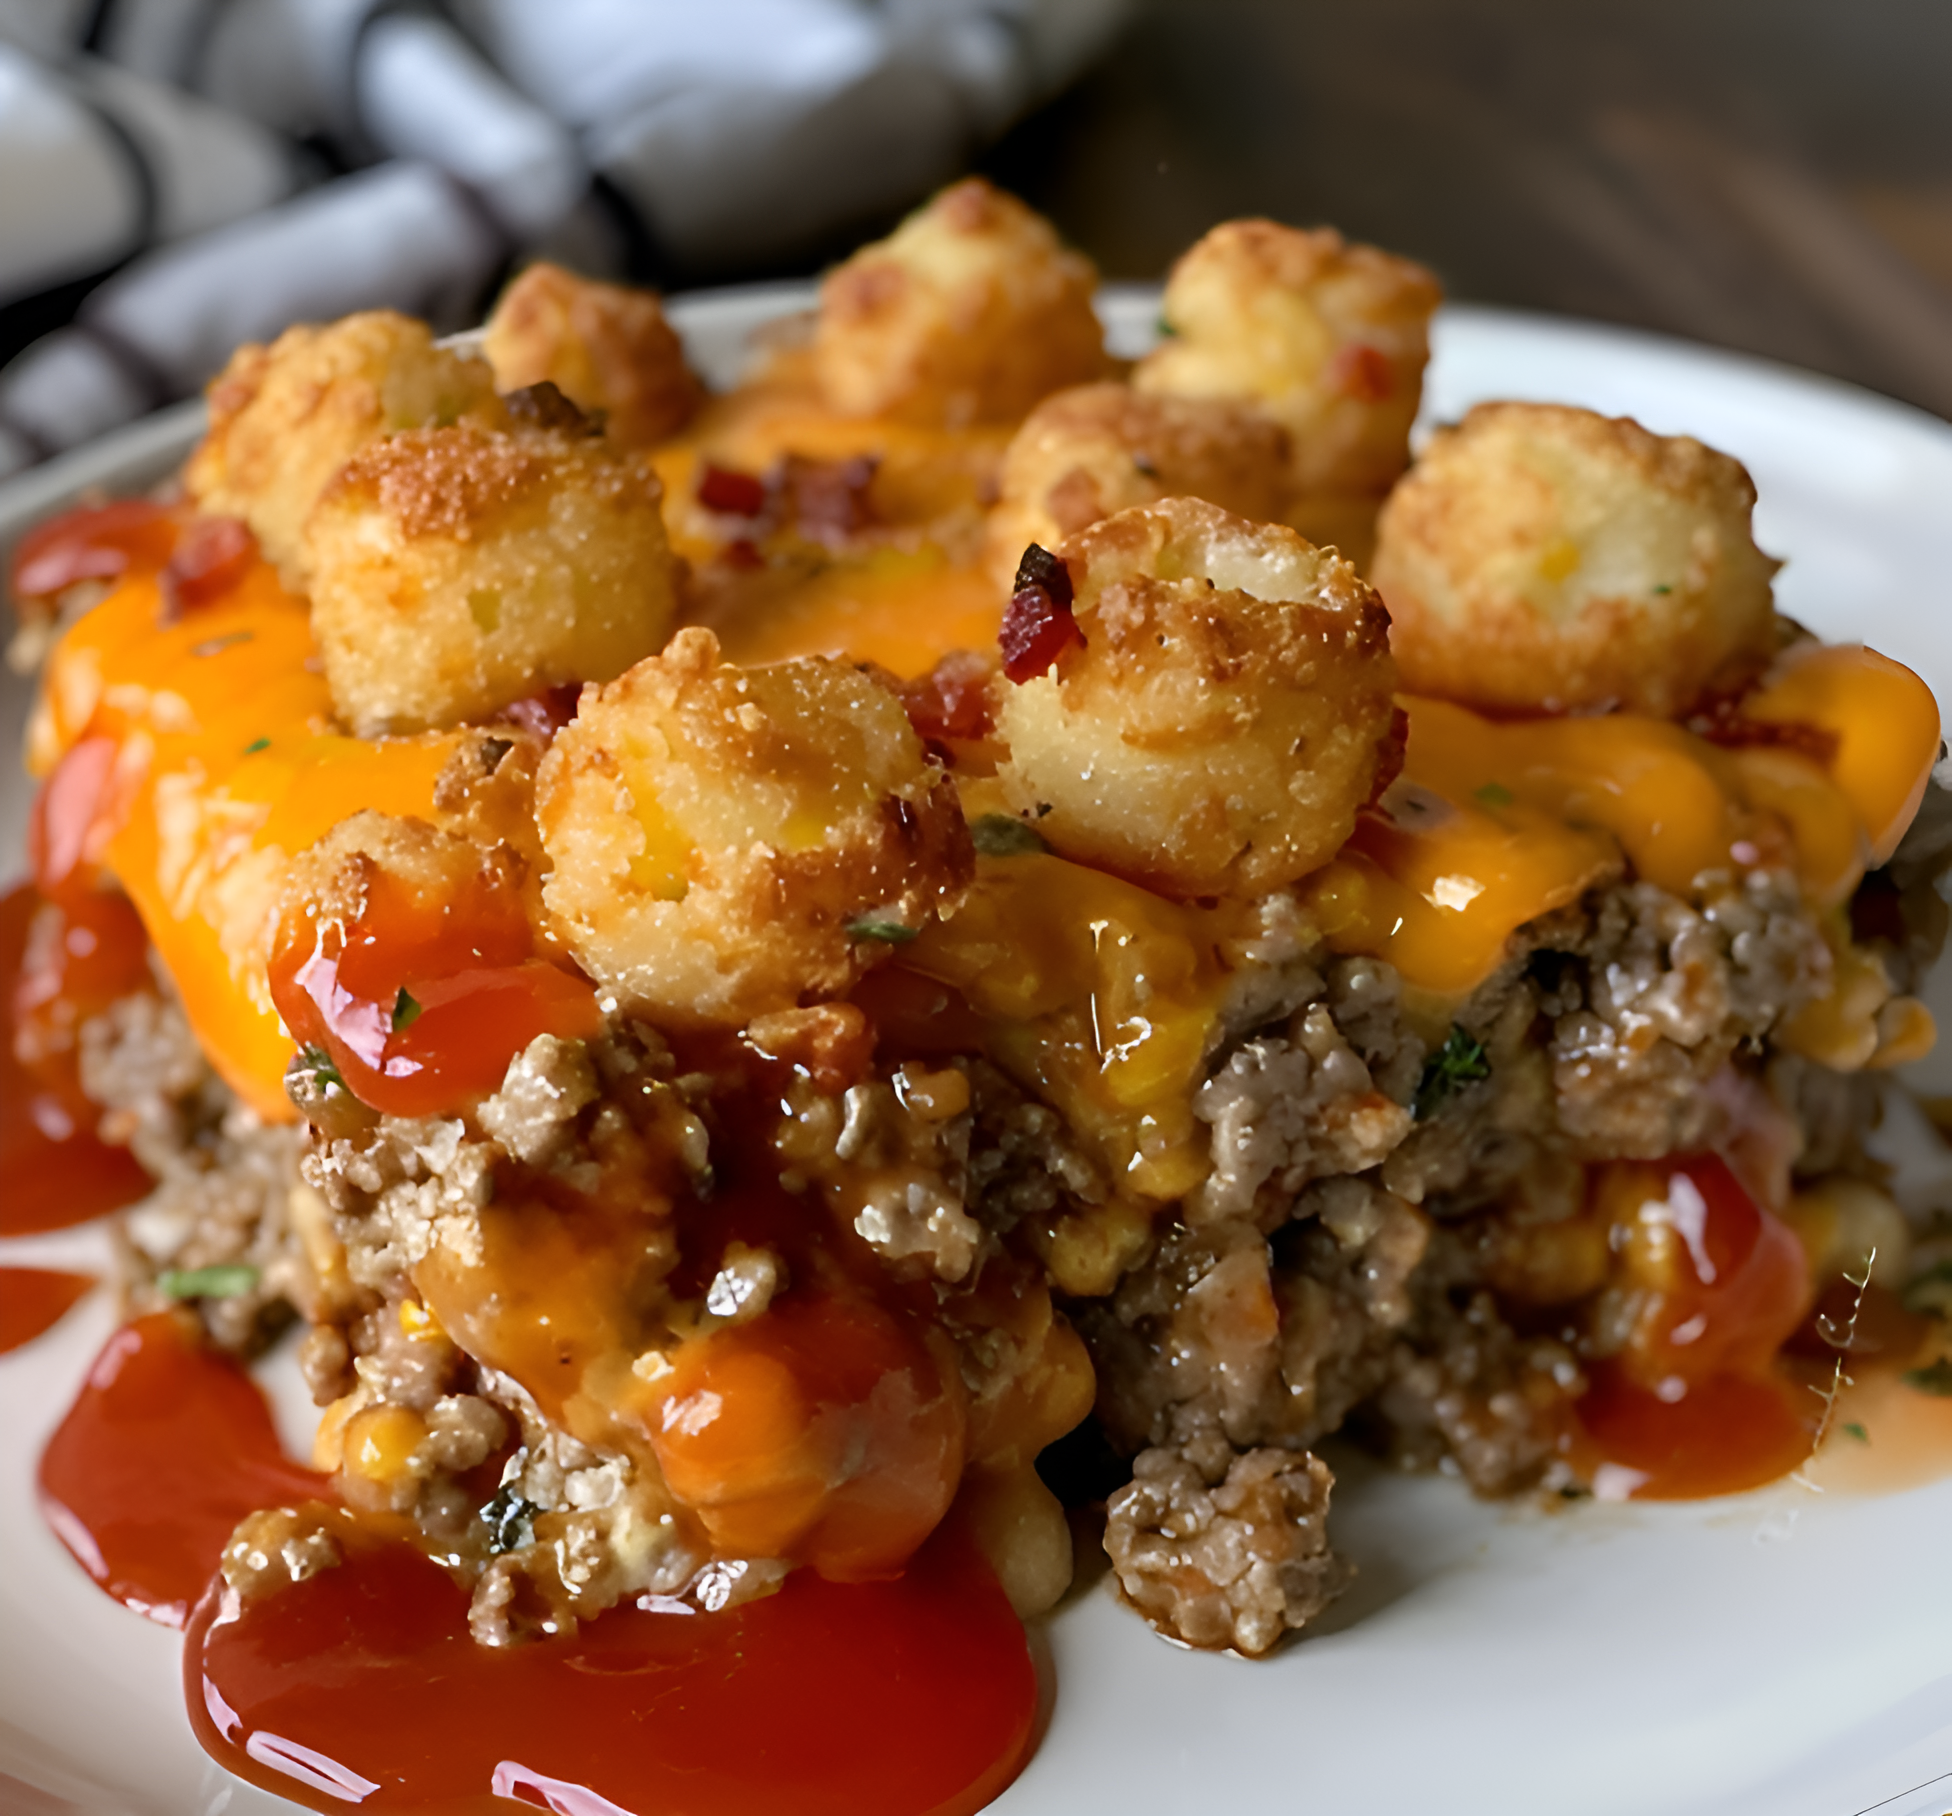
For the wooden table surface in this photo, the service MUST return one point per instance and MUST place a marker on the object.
(1769, 175)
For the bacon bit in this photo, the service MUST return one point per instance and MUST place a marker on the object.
(212, 556)
(1038, 626)
(98, 542)
(1722, 722)
(730, 492)
(1362, 373)
(829, 498)
(952, 701)
(545, 713)
(741, 554)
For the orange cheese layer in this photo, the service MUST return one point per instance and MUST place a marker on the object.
(226, 767)
(1100, 996)
(904, 611)
(1493, 824)
(904, 604)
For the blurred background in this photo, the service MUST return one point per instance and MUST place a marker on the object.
(1773, 176)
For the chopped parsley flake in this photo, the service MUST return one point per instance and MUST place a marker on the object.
(1663, 590)
(1495, 794)
(1001, 835)
(893, 933)
(1852, 1429)
(256, 745)
(1166, 330)
(1933, 1378)
(318, 1062)
(224, 1282)
(1458, 1062)
(405, 1011)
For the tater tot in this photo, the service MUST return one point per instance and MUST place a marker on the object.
(608, 349)
(1094, 450)
(285, 418)
(1227, 712)
(729, 842)
(1544, 556)
(1326, 338)
(457, 570)
(969, 312)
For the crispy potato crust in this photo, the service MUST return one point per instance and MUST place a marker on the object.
(1226, 716)
(285, 418)
(1092, 451)
(608, 349)
(727, 843)
(1325, 338)
(969, 312)
(1544, 556)
(458, 569)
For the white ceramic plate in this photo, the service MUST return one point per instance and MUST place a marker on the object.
(1780, 1654)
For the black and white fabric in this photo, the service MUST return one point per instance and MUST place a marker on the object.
(190, 147)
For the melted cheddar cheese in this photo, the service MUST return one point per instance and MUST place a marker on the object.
(227, 764)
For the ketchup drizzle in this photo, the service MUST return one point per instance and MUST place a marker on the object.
(166, 1448)
(915, 1697)
(35, 1299)
(57, 1171)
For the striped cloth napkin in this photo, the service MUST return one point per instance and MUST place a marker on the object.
(243, 164)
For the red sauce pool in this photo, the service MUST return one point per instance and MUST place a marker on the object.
(914, 1697)
(165, 1449)
(1696, 1404)
(57, 1172)
(35, 1299)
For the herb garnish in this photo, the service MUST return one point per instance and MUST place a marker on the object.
(226, 1281)
(405, 1011)
(1458, 1062)
(1002, 835)
(318, 1062)
(893, 933)
(1495, 794)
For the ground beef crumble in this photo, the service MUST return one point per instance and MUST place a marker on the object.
(1231, 1556)
(1336, 1269)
